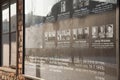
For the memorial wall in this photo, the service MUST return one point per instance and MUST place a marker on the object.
(70, 39)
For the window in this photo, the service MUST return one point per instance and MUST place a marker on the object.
(9, 34)
(13, 43)
(80, 40)
(5, 34)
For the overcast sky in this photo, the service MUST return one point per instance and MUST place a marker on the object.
(39, 7)
(6, 12)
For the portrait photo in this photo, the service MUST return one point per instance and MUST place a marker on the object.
(80, 33)
(95, 32)
(75, 34)
(101, 31)
(109, 31)
(85, 33)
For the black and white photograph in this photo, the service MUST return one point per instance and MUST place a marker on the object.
(75, 34)
(75, 4)
(67, 34)
(51, 36)
(59, 35)
(80, 33)
(46, 36)
(63, 38)
(64, 9)
(85, 32)
(78, 4)
(80, 8)
(80, 37)
(63, 6)
(49, 39)
(86, 3)
(63, 35)
(101, 32)
(109, 31)
(95, 32)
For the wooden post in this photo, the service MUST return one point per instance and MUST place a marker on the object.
(19, 38)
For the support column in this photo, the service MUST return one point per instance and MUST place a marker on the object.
(20, 39)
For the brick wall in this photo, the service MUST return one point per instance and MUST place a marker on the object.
(7, 75)
(19, 36)
(20, 39)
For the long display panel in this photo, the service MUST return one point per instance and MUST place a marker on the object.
(70, 39)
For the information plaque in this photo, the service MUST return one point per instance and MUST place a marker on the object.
(70, 39)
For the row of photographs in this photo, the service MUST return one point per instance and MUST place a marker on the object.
(104, 31)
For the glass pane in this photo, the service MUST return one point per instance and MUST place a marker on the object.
(5, 19)
(13, 17)
(13, 49)
(69, 39)
(5, 49)
(5, 37)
